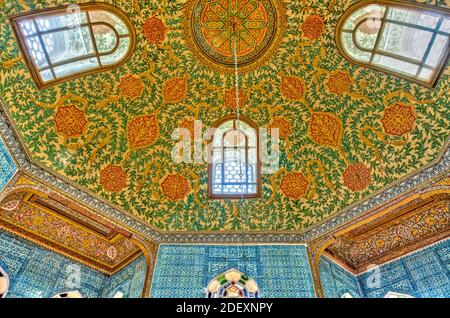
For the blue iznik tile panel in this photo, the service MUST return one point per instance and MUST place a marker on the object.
(424, 274)
(186, 270)
(7, 166)
(337, 281)
(35, 272)
(129, 281)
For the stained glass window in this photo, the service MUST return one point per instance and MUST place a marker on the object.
(232, 284)
(409, 40)
(72, 41)
(234, 167)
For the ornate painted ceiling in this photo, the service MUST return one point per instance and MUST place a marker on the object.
(346, 132)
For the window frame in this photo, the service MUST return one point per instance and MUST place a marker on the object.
(48, 12)
(440, 67)
(210, 142)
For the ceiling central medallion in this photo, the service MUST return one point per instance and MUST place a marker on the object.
(216, 29)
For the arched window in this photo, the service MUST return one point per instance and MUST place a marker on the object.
(406, 39)
(4, 283)
(63, 43)
(397, 295)
(347, 295)
(234, 170)
(232, 284)
(70, 294)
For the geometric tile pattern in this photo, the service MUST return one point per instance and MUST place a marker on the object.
(185, 271)
(35, 272)
(279, 270)
(423, 274)
(38, 273)
(337, 281)
(7, 166)
(130, 280)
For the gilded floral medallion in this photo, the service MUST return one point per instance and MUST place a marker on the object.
(216, 30)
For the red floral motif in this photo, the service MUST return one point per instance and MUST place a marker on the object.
(176, 187)
(294, 185)
(339, 82)
(175, 90)
(142, 131)
(313, 27)
(154, 30)
(357, 177)
(230, 98)
(399, 119)
(113, 178)
(326, 129)
(70, 121)
(131, 86)
(293, 87)
(284, 127)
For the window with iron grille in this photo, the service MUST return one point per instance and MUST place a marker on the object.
(63, 43)
(405, 39)
(234, 171)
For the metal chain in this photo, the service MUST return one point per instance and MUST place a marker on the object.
(238, 116)
(238, 108)
(236, 80)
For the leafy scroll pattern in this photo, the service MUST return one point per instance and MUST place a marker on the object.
(341, 140)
